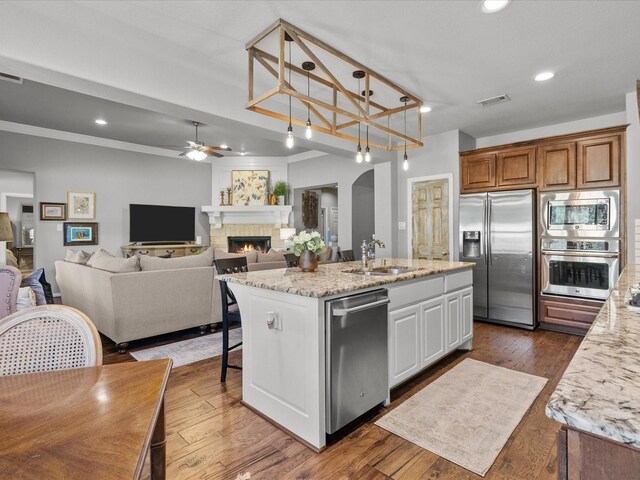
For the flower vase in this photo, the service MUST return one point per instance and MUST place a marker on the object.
(280, 199)
(308, 261)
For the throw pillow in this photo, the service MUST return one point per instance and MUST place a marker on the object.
(33, 280)
(205, 259)
(270, 257)
(252, 255)
(103, 260)
(77, 256)
(12, 261)
(46, 287)
(26, 298)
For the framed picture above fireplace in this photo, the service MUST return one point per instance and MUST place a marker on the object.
(250, 187)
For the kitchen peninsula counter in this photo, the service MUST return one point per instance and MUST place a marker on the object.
(599, 393)
(284, 315)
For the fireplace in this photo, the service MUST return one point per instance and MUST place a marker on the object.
(242, 244)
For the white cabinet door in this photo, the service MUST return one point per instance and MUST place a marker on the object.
(466, 319)
(404, 344)
(453, 310)
(433, 331)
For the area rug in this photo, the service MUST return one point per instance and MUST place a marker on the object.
(189, 351)
(468, 414)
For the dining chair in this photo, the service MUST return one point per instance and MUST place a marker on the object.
(10, 278)
(346, 256)
(292, 260)
(230, 310)
(49, 337)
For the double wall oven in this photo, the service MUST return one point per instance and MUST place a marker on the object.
(580, 243)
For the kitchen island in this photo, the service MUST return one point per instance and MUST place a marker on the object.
(598, 397)
(283, 319)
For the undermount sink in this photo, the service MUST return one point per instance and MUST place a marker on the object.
(379, 271)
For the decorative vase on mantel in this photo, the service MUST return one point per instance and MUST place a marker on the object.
(308, 261)
(280, 199)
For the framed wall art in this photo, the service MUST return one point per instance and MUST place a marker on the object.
(81, 206)
(249, 187)
(53, 211)
(76, 234)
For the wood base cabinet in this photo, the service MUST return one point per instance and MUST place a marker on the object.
(582, 456)
(428, 320)
(569, 315)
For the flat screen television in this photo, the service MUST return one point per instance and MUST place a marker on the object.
(161, 223)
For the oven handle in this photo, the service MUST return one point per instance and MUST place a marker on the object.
(579, 254)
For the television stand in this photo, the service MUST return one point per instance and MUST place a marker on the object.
(161, 249)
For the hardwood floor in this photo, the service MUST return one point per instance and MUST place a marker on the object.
(210, 435)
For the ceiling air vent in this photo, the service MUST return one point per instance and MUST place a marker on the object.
(487, 102)
(10, 78)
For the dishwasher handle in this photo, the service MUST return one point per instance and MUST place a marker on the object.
(341, 312)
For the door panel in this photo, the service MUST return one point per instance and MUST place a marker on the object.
(430, 219)
(472, 216)
(466, 318)
(452, 305)
(511, 256)
(404, 348)
(517, 167)
(433, 331)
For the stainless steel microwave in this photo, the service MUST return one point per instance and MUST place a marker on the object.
(594, 213)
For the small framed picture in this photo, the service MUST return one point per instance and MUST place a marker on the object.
(82, 206)
(53, 211)
(80, 234)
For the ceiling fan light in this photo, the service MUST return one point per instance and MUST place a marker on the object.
(224, 146)
(196, 155)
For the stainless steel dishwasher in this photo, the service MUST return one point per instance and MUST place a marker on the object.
(357, 361)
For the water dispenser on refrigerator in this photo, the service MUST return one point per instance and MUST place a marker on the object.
(471, 244)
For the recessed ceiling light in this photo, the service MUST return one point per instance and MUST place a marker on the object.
(425, 109)
(493, 6)
(243, 153)
(224, 145)
(544, 76)
(100, 121)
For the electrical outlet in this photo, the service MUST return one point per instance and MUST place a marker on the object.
(58, 227)
(402, 225)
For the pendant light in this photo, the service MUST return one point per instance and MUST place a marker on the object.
(359, 74)
(289, 141)
(367, 151)
(405, 161)
(308, 66)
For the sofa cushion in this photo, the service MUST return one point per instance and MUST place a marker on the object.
(252, 255)
(33, 280)
(26, 298)
(103, 260)
(12, 261)
(255, 267)
(271, 257)
(204, 259)
(77, 256)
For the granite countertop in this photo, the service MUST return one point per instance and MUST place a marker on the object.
(600, 389)
(330, 279)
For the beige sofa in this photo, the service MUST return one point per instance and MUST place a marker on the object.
(133, 305)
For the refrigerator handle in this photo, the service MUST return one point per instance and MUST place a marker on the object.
(484, 231)
(488, 240)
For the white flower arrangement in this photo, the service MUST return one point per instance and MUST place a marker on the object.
(306, 241)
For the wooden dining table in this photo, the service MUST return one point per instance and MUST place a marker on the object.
(84, 423)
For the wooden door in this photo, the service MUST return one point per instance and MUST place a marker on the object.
(404, 346)
(599, 162)
(478, 172)
(433, 331)
(430, 219)
(557, 167)
(517, 167)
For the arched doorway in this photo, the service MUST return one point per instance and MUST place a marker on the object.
(363, 211)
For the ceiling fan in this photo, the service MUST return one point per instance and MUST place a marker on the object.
(196, 150)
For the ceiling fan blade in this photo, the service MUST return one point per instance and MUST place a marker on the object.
(170, 146)
(215, 147)
(191, 144)
(182, 154)
(212, 153)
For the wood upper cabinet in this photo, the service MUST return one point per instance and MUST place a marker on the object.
(557, 167)
(478, 172)
(517, 167)
(599, 162)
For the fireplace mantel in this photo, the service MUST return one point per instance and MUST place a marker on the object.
(277, 215)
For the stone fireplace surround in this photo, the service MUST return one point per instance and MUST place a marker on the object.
(219, 235)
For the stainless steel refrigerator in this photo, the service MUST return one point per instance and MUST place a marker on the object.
(497, 234)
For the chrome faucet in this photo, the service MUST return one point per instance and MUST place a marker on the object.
(369, 251)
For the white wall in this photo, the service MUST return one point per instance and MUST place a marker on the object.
(329, 170)
(117, 177)
(363, 216)
(440, 155)
(386, 207)
(585, 124)
(633, 172)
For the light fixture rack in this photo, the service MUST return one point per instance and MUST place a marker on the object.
(333, 119)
